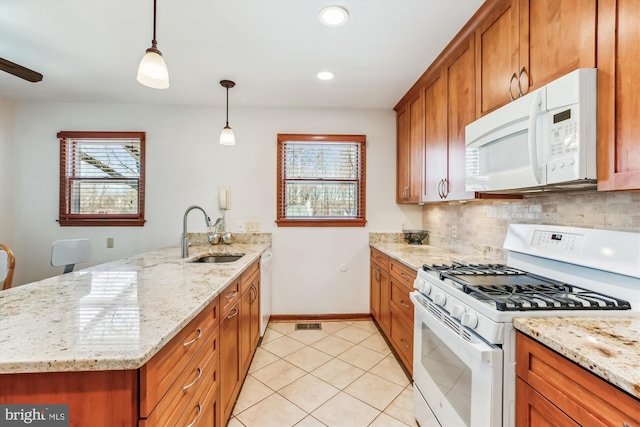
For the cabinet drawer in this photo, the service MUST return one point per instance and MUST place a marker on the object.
(247, 276)
(159, 373)
(401, 301)
(198, 373)
(229, 297)
(583, 396)
(380, 258)
(201, 410)
(406, 274)
(402, 339)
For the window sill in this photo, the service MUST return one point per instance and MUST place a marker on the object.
(107, 222)
(285, 222)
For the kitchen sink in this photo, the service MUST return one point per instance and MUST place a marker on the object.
(219, 258)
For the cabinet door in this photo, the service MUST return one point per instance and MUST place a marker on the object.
(416, 148)
(497, 46)
(229, 361)
(385, 298)
(556, 37)
(374, 288)
(460, 112)
(618, 101)
(435, 139)
(402, 155)
(245, 331)
(534, 410)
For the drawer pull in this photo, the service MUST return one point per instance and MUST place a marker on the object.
(197, 416)
(188, 386)
(235, 313)
(231, 295)
(404, 304)
(188, 343)
(376, 274)
(404, 342)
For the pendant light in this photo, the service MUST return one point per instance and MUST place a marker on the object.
(227, 137)
(153, 71)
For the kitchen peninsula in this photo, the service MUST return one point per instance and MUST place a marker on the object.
(97, 332)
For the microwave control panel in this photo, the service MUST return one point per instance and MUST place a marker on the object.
(564, 145)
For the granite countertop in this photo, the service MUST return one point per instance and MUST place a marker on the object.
(415, 256)
(115, 315)
(607, 346)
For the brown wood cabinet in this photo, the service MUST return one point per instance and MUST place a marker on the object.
(230, 376)
(618, 88)
(249, 315)
(380, 290)
(524, 44)
(449, 107)
(551, 390)
(391, 281)
(409, 156)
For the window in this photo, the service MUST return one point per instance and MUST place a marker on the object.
(101, 178)
(321, 180)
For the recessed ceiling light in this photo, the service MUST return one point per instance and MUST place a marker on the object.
(334, 16)
(325, 75)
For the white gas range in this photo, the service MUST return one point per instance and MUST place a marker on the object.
(464, 340)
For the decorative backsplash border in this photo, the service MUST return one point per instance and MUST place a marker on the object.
(200, 238)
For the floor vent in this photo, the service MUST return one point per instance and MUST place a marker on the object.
(308, 326)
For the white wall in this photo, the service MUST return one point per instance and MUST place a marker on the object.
(6, 174)
(186, 165)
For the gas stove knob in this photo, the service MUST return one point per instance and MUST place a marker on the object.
(422, 286)
(470, 320)
(457, 311)
(440, 299)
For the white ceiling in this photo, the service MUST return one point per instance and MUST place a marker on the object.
(89, 50)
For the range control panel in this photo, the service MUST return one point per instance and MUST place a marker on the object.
(564, 242)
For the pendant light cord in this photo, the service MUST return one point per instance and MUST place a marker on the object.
(227, 107)
(154, 43)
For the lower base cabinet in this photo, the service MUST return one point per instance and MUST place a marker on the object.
(551, 390)
(390, 305)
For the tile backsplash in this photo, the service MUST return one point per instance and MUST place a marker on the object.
(481, 226)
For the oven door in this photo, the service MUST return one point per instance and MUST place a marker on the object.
(455, 372)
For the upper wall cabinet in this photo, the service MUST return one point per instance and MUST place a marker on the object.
(449, 107)
(409, 147)
(618, 89)
(524, 44)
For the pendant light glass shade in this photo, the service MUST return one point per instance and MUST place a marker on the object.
(152, 71)
(227, 137)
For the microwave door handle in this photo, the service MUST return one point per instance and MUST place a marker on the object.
(533, 137)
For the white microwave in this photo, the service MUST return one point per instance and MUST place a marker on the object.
(545, 140)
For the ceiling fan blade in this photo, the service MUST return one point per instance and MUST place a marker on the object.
(20, 71)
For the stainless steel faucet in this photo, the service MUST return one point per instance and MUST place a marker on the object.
(184, 252)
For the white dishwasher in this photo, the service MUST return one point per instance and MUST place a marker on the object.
(265, 290)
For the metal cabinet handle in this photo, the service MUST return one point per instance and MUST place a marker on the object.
(255, 293)
(376, 274)
(522, 71)
(445, 188)
(406, 345)
(195, 420)
(404, 304)
(188, 343)
(231, 295)
(514, 76)
(440, 189)
(235, 313)
(188, 386)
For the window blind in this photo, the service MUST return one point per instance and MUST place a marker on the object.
(321, 178)
(101, 176)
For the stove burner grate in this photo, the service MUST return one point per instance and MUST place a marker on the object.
(510, 289)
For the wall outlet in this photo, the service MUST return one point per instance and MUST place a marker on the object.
(241, 227)
(454, 231)
(110, 242)
(253, 226)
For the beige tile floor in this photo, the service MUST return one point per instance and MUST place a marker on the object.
(342, 376)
